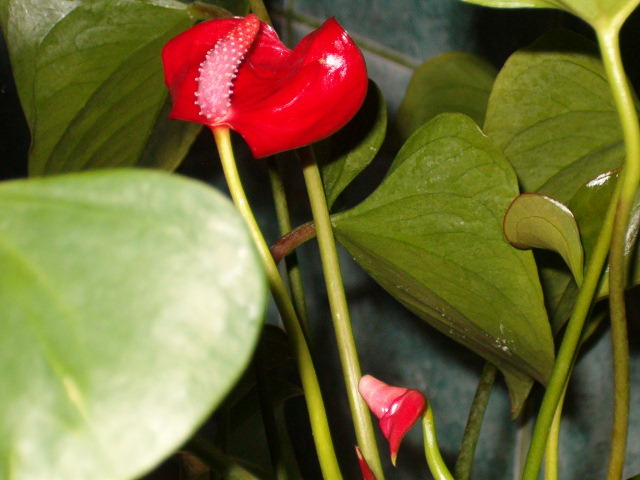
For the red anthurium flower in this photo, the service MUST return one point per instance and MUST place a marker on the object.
(237, 73)
(397, 408)
(367, 474)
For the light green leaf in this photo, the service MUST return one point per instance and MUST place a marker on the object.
(131, 304)
(552, 114)
(344, 155)
(594, 12)
(431, 235)
(90, 80)
(537, 221)
(453, 82)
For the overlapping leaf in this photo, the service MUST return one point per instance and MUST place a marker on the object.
(90, 81)
(431, 235)
(131, 304)
(453, 82)
(552, 114)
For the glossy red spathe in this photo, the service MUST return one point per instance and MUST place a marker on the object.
(236, 73)
(367, 474)
(397, 408)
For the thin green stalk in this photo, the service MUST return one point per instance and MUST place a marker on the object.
(629, 178)
(291, 261)
(340, 311)
(436, 464)
(471, 433)
(551, 451)
(568, 349)
(313, 395)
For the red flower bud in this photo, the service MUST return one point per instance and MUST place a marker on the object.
(397, 408)
(367, 474)
(237, 73)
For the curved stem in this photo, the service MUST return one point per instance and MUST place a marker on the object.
(290, 241)
(436, 464)
(313, 396)
(292, 268)
(340, 311)
(568, 349)
(474, 422)
(629, 179)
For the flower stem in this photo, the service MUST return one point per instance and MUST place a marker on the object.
(568, 349)
(551, 450)
(291, 261)
(340, 311)
(313, 395)
(292, 240)
(629, 179)
(474, 422)
(257, 7)
(437, 466)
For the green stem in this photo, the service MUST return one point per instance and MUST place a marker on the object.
(629, 178)
(551, 450)
(436, 464)
(474, 422)
(291, 261)
(568, 349)
(313, 395)
(340, 311)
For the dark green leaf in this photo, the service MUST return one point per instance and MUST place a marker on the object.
(131, 304)
(537, 221)
(346, 153)
(431, 235)
(90, 80)
(453, 82)
(552, 114)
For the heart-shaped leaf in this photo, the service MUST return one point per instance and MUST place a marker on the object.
(90, 80)
(537, 221)
(431, 235)
(595, 12)
(453, 82)
(345, 154)
(552, 114)
(131, 304)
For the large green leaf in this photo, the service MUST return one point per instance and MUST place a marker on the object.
(131, 302)
(552, 114)
(90, 80)
(594, 12)
(453, 82)
(431, 235)
(344, 155)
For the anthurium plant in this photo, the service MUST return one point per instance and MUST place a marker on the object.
(133, 299)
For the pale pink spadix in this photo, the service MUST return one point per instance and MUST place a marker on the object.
(220, 67)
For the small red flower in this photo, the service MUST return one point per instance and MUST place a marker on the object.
(396, 408)
(237, 73)
(367, 474)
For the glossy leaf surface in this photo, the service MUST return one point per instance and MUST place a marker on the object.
(537, 221)
(131, 304)
(348, 152)
(552, 114)
(431, 235)
(89, 77)
(453, 82)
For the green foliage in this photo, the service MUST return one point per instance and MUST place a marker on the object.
(89, 77)
(552, 114)
(537, 221)
(453, 82)
(347, 153)
(131, 304)
(431, 235)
